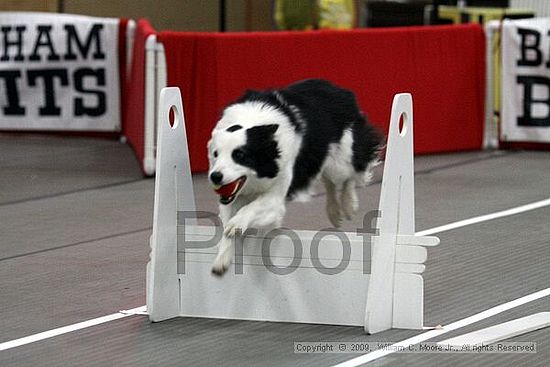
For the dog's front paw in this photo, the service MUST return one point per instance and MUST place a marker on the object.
(221, 264)
(231, 229)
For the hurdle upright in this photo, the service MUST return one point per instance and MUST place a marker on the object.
(373, 281)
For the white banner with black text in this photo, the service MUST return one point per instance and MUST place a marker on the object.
(526, 80)
(59, 72)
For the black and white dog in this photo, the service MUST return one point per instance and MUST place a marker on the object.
(270, 146)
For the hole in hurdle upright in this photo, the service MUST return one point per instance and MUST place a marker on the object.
(389, 294)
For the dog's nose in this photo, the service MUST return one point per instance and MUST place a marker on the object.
(216, 177)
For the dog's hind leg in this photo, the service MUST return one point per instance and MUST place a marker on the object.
(348, 198)
(334, 211)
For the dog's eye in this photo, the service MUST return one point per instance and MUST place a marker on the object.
(215, 154)
(239, 154)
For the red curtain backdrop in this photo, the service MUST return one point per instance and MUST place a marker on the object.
(134, 103)
(442, 66)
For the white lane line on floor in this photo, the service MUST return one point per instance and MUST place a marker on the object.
(486, 217)
(70, 328)
(138, 310)
(369, 357)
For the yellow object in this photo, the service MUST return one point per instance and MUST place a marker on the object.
(336, 14)
(294, 14)
(309, 14)
(481, 15)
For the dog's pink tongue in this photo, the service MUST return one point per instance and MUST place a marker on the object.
(226, 190)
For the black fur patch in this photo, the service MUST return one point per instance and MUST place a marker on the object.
(320, 112)
(269, 99)
(366, 144)
(260, 152)
(328, 111)
(233, 128)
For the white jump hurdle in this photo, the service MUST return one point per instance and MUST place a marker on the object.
(337, 278)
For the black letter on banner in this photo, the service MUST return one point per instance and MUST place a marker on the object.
(534, 47)
(185, 244)
(93, 35)
(528, 100)
(10, 79)
(314, 251)
(101, 107)
(49, 108)
(18, 42)
(266, 251)
(44, 30)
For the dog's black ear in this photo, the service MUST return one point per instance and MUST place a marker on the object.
(269, 129)
(261, 132)
(273, 128)
(262, 150)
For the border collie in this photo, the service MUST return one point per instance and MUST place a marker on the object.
(271, 146)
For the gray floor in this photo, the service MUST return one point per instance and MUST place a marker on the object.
(75, 218)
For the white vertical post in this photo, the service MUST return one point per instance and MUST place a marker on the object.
(173, 193)
(151, 99)
(490, 130)
(161, 74)
(155, 80)
(395, 292)
(130, 38)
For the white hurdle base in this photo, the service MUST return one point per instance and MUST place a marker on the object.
(334, 281)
